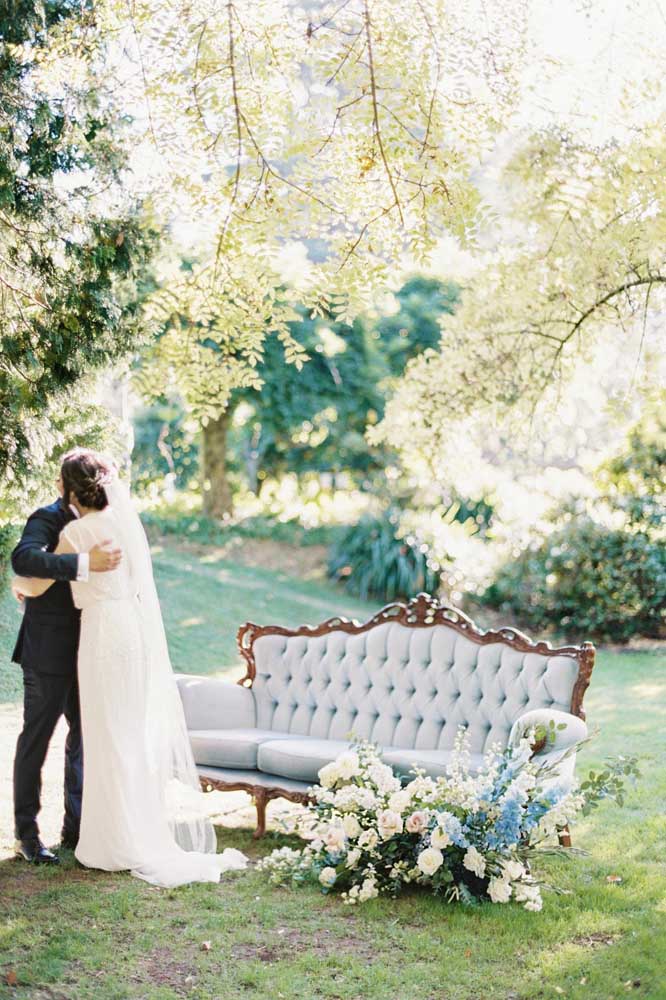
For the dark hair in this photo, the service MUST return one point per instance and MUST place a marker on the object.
(84, 474)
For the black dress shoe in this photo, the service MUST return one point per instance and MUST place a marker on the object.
(35, 852)
(69, 840)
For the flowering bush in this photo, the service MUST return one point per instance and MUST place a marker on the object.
(468, 836)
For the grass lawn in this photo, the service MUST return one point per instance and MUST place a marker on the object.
(73, 935)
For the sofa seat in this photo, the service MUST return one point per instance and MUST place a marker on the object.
(235, 748)
(301, 758)
(434, 762)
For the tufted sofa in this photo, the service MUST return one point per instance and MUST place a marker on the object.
(407, 680)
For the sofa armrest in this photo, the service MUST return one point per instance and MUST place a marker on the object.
(555, 749)
(215, 703)
(556, 731)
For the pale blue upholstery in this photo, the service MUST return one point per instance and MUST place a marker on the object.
(231, 747)
(213, 703)
(403, 687)
(408, 689)
(301, 759)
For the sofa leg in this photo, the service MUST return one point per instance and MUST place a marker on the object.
(260, 801)
(564, 836)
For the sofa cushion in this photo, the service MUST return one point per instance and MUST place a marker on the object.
(301, 759)
(230, 747)
(434, 762)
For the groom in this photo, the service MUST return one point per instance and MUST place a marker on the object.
(46, 648)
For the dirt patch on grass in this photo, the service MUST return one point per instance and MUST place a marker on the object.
(286, 942)
(598, 939)
(162, 968)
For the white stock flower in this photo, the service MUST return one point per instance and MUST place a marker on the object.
(351, 826)
(384, 778)
(499, 890)
(350, 798)
(430, 860)
(474, 862)
(347, 765)
(416, 823)
(389, 823)
(327, 876)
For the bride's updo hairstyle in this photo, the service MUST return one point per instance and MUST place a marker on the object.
(84, 475)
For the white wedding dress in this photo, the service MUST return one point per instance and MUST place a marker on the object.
(142, 805)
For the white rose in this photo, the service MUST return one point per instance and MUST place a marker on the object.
(334, 838)
(499, 890)
(389, 823)
(513, 870)
(416, 822)
(327, 876)
(347, 765)
(353, 858)
(368, 890)
(474, 862)
(351, 826)
(430, 860)
(400, 801)
(328, 775)
(368, 839)
(440, 838)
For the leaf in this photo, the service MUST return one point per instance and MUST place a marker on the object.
(11, 978)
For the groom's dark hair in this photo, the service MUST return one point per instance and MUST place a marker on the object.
(84, 474)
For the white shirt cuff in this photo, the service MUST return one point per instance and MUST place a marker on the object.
(84, 567)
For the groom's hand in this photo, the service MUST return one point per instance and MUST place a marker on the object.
(104, 558)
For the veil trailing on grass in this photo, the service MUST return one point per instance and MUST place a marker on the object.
(168, 747)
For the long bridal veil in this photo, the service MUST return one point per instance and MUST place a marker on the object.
(168, 747)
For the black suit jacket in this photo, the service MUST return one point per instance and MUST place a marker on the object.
(48, 639)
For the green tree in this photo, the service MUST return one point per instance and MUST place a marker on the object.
(312, 417)
(70, 252)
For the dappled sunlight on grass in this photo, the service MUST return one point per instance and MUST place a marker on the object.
(109, 937)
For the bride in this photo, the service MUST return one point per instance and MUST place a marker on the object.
(142, 806)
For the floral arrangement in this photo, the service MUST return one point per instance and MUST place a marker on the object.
(469, 836)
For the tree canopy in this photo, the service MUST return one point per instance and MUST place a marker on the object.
(70, 250)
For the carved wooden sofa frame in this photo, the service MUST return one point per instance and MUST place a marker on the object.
(422, 611)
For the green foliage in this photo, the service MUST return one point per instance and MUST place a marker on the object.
(587, 580)
(634, 480)
(195, 527)
(165, 445)
(373, 559)
(610, 782)
(314, 419)
(8, 536)
(70, 252)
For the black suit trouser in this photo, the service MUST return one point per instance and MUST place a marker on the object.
(46, 698)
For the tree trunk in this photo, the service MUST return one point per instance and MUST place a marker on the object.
(217, 497)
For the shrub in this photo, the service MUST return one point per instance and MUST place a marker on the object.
(587, 580)
(8, 536)
(372, 559)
